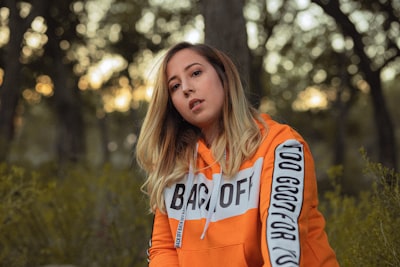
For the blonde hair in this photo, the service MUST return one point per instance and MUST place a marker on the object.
(166, 143)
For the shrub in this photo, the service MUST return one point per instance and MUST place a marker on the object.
(363, 230)
(99, 218)
(88, 218)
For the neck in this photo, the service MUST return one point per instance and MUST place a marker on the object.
(209, 135)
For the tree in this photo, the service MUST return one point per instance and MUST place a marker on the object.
(51, 60)
(70, 141)
(10, 89)
(371, 67)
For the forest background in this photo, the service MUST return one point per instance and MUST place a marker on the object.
(75, 80)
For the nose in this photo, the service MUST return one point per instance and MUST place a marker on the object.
(187, 89)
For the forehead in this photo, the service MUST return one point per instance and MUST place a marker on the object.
(184, 58)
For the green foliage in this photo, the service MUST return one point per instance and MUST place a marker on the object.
(87, 218)
(363, 230)
(99, 218)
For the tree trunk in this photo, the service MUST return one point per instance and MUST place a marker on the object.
(383, 122)
(70, 141)
(11, 87)
(104, 138)
(225, 29)
(340, 121)
(341, 110)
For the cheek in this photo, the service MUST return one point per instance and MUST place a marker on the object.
(220, 96)
(178, 103)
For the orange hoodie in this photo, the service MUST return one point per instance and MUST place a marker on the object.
(265, 216)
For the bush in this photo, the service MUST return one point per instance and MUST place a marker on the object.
(99, 218)
(363, 230)
(88, 218)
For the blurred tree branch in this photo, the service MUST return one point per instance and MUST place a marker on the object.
(382, 118)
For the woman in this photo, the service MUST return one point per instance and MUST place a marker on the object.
(228, 186)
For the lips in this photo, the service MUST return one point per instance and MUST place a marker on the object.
(194, 102)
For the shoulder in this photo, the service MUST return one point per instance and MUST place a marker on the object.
(273, 129)
(277, 136)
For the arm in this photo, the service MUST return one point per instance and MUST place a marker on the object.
(162, 252)
(292, 228)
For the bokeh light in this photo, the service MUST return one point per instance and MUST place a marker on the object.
(1, 76)
(312, 98)
(44, 85)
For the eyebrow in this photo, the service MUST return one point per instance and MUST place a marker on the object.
(186, 68)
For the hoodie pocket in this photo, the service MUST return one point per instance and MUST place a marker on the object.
(226, 256)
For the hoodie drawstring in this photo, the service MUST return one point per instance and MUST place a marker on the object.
(181, 224)
(213, 201)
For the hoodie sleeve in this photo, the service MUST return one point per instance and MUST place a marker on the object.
(292, 227)
(162, 252)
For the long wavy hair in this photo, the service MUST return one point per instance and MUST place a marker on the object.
(166, 143)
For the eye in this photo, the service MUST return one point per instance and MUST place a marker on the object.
(174, 87)
(196, 73)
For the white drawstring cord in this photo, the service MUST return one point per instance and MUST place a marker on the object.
(213, 202)
(181, 224)
(214, 199)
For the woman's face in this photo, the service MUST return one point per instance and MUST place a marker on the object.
(196, 90)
